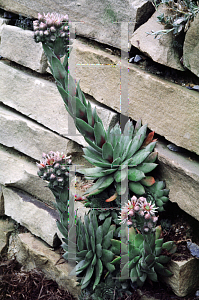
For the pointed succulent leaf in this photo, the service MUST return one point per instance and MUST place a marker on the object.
(82, 265)
(138, 158)
(139, 239)
(116, 162)
(110, 267)
(89, 255)
(166, 192)
(116, 261)
(128, 129)
(126, 147)
(141, 132)
(164, 199)
(158, 251)
(159, 242)
(98, 163)
(137, 126)
(100, 134)
(106, 225)
(148, 181)
(146, 167)
(90, 115)
(49, 53)
(153, 275)
(96, 186)
(82, 253)
(107, 152)
(151, 158)
(147, 247)
(93, 145)
(62, 229)
(137, 188)
(67, 99)
(80, 243)
(98, 272)
(99, 250)
(79, 110)
(133, 253)
(133, 275)
(117, 151)
(107, 255)
(59, 72)
(158, 232)
(87, 277)
(169, 246)
(159, 202)
(120, 175)
(99, 235)
(135, 175)
(80, 94)
(107, 240)
(93, 263)
(163, 259)
(85, 129)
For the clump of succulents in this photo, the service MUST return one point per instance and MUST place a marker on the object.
(143, 256)
(182, 14)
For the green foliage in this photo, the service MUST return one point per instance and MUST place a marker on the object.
(143, 256)
(183, 13)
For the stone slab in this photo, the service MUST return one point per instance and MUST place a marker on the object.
(19, 46)
(6, 227)
(161, 49)
(2, 22)
(33, 253)
(191, 47)
(181, 174)
(185, 276)
(21, 172)
(38, 218)
(101, 22)
(170, 110)
(31, 138)
(40, 100)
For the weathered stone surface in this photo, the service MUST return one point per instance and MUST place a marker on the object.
(6, 227)
(101, 22)
(144, 10)
(191, 47)
(169, 109)
(1, 202)
(33, 253)
(18, 45)
(38, 218)
(185, 276)
(160, 49)
(31, 138)
(182, 178)
(20, 172)
(2, 22)
(40, 100)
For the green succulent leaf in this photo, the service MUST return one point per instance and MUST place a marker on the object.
(133, 275)
(99, 250)
(100, 134)
(139, 239)
(110, 267)
(99, 235)
(146, 167)
(85, 129)
(163, 259)
(138, 158)
(107, 255)
(107, 240)
(87, 278)
(98, 272)
(117, 151)
(135, 175)
(106, 225)
(59, 71)
(107, 152)
(151, 158)
(137, 188)
(120, 175)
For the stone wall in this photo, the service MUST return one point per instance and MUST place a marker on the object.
(34, 119)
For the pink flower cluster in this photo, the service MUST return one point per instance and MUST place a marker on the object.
(138, 208)
(51, 23)
(52, 157)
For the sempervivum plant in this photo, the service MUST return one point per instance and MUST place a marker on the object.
(93, 249)
(54, 168)
(143, 256)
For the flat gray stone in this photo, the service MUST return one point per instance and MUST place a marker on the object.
(2, 22)
(33, 253)
(191, 47)
(38, 218)
(170, 110)
(6, 227)
(181, 174)
(31, 138)
(185, 276)
(161, 49)
(45, 104)
(101, 21)
(19, 46)
(20, 172)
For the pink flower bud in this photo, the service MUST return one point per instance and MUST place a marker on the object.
(154, 219)
(146, 229)
(52, 29)
(40, 17)
(62, 34)
(65, 18)
(42, 26)
(46, 32)
(131, 212)
(65, 28)
(141, 213)
(37, 33)
(58, 24)
(129, 222)
(41, 33)
(147, 216)
(52, 176)
(137, 208)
